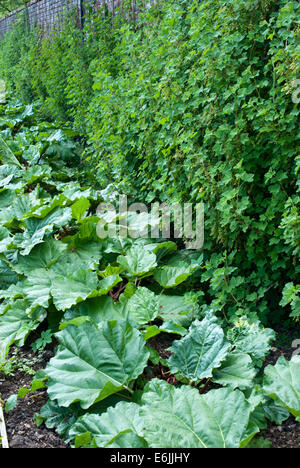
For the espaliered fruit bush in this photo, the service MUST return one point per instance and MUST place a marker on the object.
(108, 301)
(192, 102)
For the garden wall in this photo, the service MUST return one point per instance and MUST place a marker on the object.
(46, 13)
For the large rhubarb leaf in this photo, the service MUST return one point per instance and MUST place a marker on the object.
(143, 306)
(119, 427)
(182, 418)
(237, 371)
(97, 310)
(138, 261)
(181, 310)
(282, 383)
(74, 288)
(93, 363)
(202, 350)
(42, 256)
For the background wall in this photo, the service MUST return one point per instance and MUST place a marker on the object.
(46, 12)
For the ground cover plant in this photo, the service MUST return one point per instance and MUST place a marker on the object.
(107, 302)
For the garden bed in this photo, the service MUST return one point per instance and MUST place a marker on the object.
(24, 433)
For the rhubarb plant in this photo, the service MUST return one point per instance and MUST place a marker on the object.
(107, 301)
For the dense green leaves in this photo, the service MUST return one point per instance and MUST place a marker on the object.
(170, 417)
(108, 299)
(195, 106)
(210, 118)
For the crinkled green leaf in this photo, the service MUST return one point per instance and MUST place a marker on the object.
(282, 384)
(182, 418)
(143, 306)
(98, 310)
(201, 351)
(36, 229)
(237, 371)
(252, 339)
(138, 261)
(93, 363)
(106, 430)
(181, 310)
(42, 256)
(74, 288)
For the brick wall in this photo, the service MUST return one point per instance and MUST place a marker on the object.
(46, 13)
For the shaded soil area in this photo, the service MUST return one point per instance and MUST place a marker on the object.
(285, 436)
(23, 432)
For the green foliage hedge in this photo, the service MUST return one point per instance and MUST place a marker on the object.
(193, 103)
(115, 305)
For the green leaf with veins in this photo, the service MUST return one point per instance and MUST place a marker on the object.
(138, 261)
(7, 276)
(86, 256)
(6, 155)
(80, 207)
(143, 306)
(42, 256)
(201, 351)
(93, 363)
(123, 419)
(36, 229)
(181, 310)
(171, 276)
(73, 288)
(182, 418)
(237, 371)
(98, 310)
(282, 384)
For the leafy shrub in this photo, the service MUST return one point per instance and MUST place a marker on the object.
(106, 300)
(192, 103)
(201, 110)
